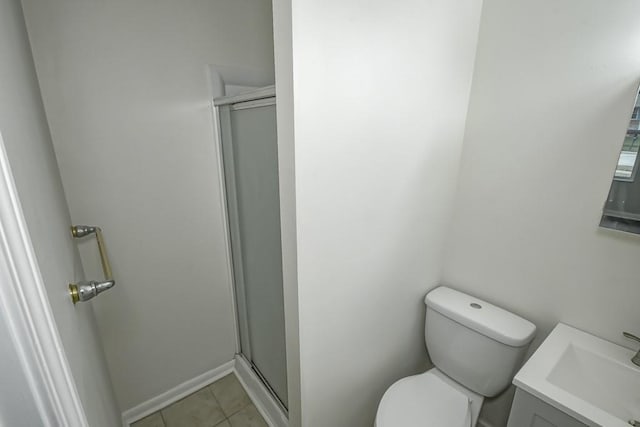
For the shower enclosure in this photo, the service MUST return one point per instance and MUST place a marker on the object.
(247, 124)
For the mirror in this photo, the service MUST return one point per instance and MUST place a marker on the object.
(622, 207)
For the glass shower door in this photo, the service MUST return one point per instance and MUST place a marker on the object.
(250, 158)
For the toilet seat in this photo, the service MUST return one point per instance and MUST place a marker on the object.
(428, 400)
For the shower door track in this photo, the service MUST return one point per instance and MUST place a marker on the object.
(265, 383)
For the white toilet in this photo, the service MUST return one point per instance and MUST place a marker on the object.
(476, 348)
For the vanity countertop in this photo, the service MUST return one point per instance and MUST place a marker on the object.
(589, 378)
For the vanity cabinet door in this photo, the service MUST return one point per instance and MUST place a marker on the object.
(529, 411)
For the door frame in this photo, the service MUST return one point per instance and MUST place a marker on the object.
(24, 307)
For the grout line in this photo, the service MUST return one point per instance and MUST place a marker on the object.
(217, 401)
(245, 392)
(241, 409)
(214, 397)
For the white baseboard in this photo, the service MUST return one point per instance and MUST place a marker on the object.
(260, 396)
(176, 393)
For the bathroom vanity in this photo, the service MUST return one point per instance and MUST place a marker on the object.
(529, 411)
(575, 379)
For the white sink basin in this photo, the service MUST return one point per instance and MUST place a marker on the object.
(591, 379)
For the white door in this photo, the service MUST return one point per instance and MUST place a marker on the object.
(41, 230)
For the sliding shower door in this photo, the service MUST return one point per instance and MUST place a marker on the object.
(250, 157)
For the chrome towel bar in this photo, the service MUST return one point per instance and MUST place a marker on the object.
(87, 289)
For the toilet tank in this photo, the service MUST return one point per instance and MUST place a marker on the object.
(479, 345)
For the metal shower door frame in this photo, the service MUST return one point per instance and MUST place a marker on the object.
(223, 107)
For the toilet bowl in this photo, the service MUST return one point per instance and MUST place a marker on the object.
(476, 348)
(430, 396)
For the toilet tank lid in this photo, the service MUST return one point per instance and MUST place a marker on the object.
(481, 316)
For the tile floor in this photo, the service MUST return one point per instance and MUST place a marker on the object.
(221, 404)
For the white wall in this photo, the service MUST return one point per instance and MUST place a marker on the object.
(126, 94)
(380, 93)
(553, 87)
(283, 61)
